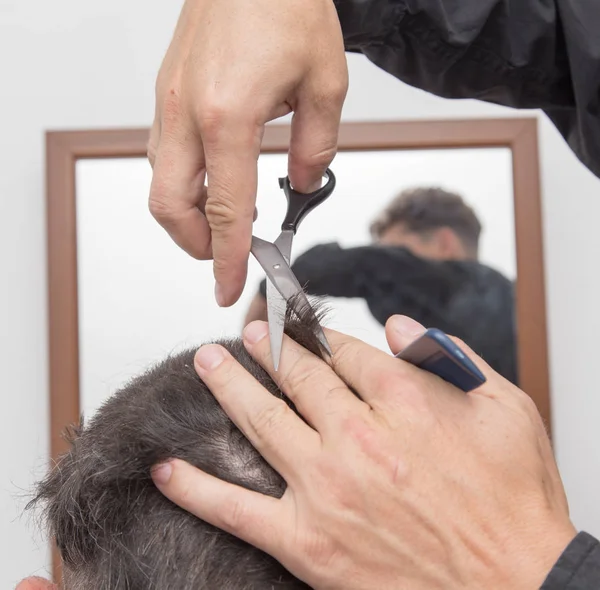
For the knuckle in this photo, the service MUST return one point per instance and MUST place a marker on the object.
(319, 550)
(221, 212)
(159, 209)
(269, 418)
(346, 352)
(224, 123)
(299, 376)
(233, 516)
(314, 160)
(334, 391)
(336, 89)
(159, 206)
(329, 93)
(213, 116)
(221, 265)
(388, 383)
(398, 387)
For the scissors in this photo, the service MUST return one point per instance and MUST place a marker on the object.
(283, 288)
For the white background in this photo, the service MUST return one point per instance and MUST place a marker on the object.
(74, 64)
(140, 298)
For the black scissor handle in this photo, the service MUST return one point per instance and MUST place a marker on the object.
(299, 204)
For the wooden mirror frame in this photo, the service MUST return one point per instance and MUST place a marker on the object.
(64, 148)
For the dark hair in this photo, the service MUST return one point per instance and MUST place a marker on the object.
(116, 531)
(424, 209)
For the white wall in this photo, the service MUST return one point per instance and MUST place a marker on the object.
(73, 64)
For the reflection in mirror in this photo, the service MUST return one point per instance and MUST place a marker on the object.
(141, 298)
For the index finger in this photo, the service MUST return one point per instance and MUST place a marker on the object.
(176, 193)
(320, 396)
(272, 427)
(232, 152)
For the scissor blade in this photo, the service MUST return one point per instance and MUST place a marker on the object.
(276, 268)
(323, 340)
(276, 306)
(283, 279)
(284, 243)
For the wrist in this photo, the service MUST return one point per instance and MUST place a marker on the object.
(538, 554)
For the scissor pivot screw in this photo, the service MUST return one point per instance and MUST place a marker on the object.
(276, 266)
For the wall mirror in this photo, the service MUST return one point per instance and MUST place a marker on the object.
(122, 295)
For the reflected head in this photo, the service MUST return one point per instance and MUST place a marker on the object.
(431, 222)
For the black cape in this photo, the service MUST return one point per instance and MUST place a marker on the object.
(463, 298)
(525, 54)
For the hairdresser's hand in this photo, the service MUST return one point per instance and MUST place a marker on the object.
(417, 486)
(232, 66)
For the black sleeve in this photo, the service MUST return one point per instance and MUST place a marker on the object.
(526, 54)
(578, 568)
(390, 279)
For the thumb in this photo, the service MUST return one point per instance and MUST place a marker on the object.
(231, 161)
(313, 142)
(400, 331)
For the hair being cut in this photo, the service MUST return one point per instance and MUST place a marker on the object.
(116, 531)
(424, 209)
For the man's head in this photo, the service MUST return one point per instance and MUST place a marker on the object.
(116, 531)
(431, 222)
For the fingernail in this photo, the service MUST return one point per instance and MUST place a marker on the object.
(220, 295)
(161, 474)
(255, 332)
(209, 357)
(406, 326)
